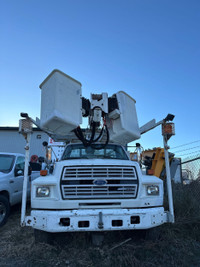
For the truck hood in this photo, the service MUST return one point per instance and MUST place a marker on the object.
(2, 174)
(84, 162)
(94, 162)
(146, 179)
(73, 162)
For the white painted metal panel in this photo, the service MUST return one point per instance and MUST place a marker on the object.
(50, 220)
(13, 142)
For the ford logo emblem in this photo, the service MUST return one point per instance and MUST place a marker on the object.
(100, 182)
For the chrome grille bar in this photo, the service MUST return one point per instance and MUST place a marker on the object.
(79, 182)
(105, 171)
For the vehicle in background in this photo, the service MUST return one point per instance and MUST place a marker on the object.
(187, 176)
(11, 182)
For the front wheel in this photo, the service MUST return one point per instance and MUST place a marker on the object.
(4, 209)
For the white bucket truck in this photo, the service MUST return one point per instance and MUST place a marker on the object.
(95, 186)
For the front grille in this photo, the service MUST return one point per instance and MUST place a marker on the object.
(99, 182)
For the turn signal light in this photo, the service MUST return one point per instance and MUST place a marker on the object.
(150, 172)
(43, 172)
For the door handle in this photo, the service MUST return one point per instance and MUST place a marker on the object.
(11, 182)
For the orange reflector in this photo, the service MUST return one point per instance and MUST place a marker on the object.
(43, 172)
(168, 128)
(150, 172)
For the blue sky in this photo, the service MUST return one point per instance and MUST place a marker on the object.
(148, 48)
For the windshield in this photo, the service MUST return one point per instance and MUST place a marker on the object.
(6, 163)
(78, 151)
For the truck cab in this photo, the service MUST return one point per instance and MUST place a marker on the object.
(96, 189)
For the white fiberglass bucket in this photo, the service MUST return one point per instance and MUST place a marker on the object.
(124, 128)
(61, 103)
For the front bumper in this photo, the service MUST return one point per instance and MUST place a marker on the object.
(96, 219)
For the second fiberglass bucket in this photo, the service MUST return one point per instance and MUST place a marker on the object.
(124, 128)
(60, 103)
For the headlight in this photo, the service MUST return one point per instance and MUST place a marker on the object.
(152, 190)
(42, 191)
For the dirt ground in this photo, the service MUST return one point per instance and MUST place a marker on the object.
(177, 245)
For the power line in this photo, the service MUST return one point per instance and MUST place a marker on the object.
(186, 149)
(197, 152)
(186, 144)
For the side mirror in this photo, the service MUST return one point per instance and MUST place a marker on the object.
(19, 172)
(45, 144)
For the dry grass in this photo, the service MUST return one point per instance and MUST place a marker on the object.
(179, 244)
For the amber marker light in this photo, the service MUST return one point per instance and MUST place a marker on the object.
(43, 172)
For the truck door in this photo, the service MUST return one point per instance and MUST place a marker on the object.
(17, 181)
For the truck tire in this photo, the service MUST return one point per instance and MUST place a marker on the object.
(4, 209)
(43, 237)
